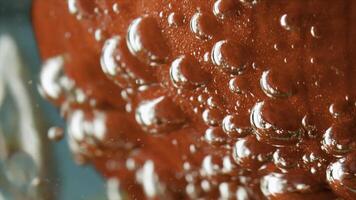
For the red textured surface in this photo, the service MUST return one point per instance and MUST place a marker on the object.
(309, 68)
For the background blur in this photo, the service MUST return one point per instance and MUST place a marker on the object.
(31, 166)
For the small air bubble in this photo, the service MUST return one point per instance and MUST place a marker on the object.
(55, 133)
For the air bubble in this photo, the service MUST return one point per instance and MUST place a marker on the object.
(72, 6)
(212, 117)
(118, 63)
(55, 133)
(186, 72)
(236, 126)
(341, 108)
(175, 19)
(159, 115)
(341, 176)
(214, 102)
(116, 8)
(314, 160)
(230, 57)
(271, 124)
(239, 85)
(294, 185)
(108, 63)
(339, 138)
(250, 153)
(309, 126)
(98, 35)
(277, 83)
(215, 136)
(233, 190)
(149, 180)
(315, 32)
(284, 22)
(81, 8)
(249, 2)
(113, 189)
(53, 83)
(210, 166)
(286, 158)
(224, 8)
(145, 40)
(203, 26)
(91, 132)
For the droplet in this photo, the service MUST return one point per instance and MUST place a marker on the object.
(236, 126)
(203, 25)
(276, 122)
(223, 8)
(339, 138)
(250, 153)
(341, 176)
(230, 57)
(145, 40)
(55, 133)
(186, 72)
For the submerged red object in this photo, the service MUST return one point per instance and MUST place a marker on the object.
(207, 99)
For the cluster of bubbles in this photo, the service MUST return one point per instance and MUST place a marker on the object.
(267, 137)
